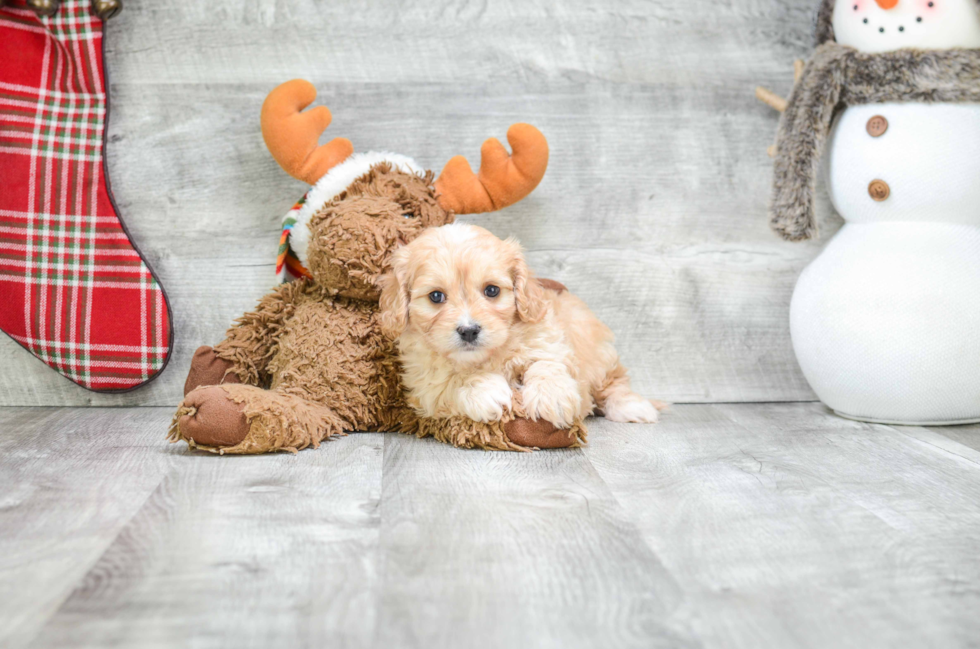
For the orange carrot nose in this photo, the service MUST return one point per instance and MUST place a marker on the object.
(887, 4)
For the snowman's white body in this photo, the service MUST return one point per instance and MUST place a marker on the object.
(886, 321)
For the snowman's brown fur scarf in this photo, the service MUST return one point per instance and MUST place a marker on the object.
(837, 77)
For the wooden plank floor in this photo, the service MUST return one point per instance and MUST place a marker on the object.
(724, 526)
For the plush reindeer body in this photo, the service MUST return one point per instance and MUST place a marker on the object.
(311, 361)
(357, 356)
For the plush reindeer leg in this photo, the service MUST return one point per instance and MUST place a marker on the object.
(244, 419)
(513, 433)
(207, 368)
(243, 356)
(542, 434)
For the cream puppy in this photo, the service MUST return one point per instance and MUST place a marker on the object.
(474, 326)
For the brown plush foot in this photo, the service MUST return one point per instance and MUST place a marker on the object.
(208, 369)
(541, 434)
(215, 420)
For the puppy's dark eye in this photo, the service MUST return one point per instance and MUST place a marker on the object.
(408, 215)
(491, 291)
(437, 297)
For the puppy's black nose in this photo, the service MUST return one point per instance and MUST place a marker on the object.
(469, 333)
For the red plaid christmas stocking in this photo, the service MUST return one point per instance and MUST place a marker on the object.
(74, 290)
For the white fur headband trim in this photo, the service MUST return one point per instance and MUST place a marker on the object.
(332, 184)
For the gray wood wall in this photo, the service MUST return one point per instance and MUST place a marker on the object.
(653, 208)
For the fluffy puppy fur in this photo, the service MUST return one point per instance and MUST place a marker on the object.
(474, 326)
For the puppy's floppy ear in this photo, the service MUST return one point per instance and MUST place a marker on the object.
(394, 296)
(528, 294)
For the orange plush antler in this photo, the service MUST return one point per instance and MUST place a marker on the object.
(292, 136)
(503, 179)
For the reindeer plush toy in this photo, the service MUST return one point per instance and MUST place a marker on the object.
(311, 362)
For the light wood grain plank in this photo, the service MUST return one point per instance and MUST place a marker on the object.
(653, 209)
(946, 443)
(70, 480)
(380, 41)
(513, 550)
(750, 525)
(788, 526)
(267, 551)
(968, 436)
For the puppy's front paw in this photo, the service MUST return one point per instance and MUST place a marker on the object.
(550, 393)
(632, 409)
(484, 398)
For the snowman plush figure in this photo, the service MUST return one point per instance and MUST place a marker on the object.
(886, 321)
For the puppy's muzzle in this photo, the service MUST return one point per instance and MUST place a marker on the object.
(469, 333)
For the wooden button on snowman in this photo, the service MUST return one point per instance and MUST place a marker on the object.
(885, 321)
(877, 126)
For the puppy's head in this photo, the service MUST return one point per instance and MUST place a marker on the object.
(460, 289)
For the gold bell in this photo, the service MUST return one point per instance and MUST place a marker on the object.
(44, 7)
(106, 9)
